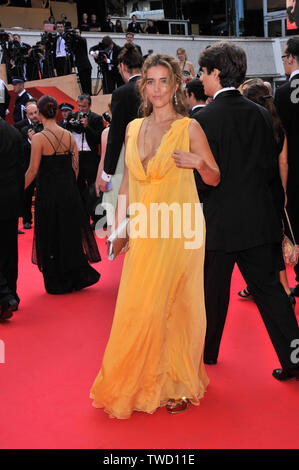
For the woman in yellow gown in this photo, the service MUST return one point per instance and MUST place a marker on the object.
(154, 356)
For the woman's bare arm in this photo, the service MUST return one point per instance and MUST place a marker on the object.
(200, 157)
(35, 158)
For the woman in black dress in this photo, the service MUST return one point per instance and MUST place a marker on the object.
(63, 241)
(259, 93)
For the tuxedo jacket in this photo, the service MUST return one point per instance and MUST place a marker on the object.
(81, 54)
(239, 212)
(11, 171)
(20, 124)
(193, 112)
(125, 103)
(287, 105)
(19, 109)
(134, 28)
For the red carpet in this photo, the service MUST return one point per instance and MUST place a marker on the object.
(53, 350)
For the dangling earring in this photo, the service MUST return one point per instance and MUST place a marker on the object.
(175, 99)
(145, 101)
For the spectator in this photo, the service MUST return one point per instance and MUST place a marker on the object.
(94, 25)
(118, 27)
(107, 26)
(134, 26)
(151, 28)
(130, 39)
(186, 67)
(84, 23)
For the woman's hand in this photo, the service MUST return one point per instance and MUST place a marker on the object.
(186, 159)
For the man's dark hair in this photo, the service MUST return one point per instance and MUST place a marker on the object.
(59, 22)
(229, 59)
(85, 96)
(130, 57)
(196, 87)
(293, 47)
(107, 41)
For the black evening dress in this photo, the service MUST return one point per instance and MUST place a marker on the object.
(64, 243)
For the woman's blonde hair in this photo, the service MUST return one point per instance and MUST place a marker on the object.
(181, 50)
(174, 78)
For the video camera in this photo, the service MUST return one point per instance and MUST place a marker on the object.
(4, 37)
(101, 53)
(48, 39)
(76, 125)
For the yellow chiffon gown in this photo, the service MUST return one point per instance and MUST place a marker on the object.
(155, 349)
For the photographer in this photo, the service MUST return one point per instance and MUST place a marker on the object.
(106, 56)
(79, 48)
(86, 128)
(28, 132)
(60, 52)
(18, 52)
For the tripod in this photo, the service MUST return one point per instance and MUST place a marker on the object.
(100, 77)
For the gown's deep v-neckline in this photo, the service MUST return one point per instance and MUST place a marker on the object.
(158, 148)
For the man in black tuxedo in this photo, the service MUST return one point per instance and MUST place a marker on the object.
(124, 108)
(11, 193)
(106, 55)
(82, 62)
(60, 52)
(134, 26)
(22, 98)
(241, 222)
(287, 105)
(195, 97)
(88, 143)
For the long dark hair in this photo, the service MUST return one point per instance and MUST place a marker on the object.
(260, 95)
(47, 106)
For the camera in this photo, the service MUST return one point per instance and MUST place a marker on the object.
(101, 53)
(36, 127)
(48, 39)
(76, 125)
(4, 37)
(106, 117)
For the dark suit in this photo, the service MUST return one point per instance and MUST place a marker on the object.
(124, 108)
(83, 65)
(19, 108)
(11, 193)
(288, 111)
(111, 76)
(89, 160)
(134, 28)
(242, 225)
(193, 112)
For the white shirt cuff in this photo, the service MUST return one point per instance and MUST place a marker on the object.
(106, 177)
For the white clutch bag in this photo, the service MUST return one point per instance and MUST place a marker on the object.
(118, 239)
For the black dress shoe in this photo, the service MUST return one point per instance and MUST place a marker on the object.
(210, 362)
(7, 307)
(20, 232)
(286, 374)
(27, 226)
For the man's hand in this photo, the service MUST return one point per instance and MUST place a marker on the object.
(101, 186)
(84, 121)
(30, 133)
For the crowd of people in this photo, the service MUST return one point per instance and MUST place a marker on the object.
(215, 139)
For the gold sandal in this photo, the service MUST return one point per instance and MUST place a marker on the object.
(177, 406)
